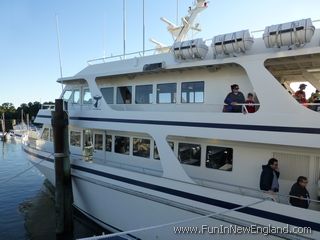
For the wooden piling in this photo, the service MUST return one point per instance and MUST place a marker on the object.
(63, 194)
(3, 125)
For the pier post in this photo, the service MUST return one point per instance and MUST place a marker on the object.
(3, 125)
(63, 194)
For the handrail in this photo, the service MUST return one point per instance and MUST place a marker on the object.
(252, 189)
(120, 56)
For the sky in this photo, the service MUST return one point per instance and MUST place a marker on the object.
(29, 57)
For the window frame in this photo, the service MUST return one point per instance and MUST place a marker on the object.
(118, 94)
(103, 95)
(125, 147)
(173, 94)
(150, 95)
(70, 138)
(224, 166)
(83, 95)
(197, 163)
(194, 92)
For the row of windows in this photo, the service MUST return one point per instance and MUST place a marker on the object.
(191, 92)
(188, 153)
(73, 96)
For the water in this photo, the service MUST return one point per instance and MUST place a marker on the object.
(26, 204)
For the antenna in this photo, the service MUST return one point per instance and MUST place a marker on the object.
(143, 27)
(59, 50)
(124, 29)
(104, 35)
(177, 16)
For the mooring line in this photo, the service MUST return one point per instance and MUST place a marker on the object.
(24, 171)
(170, 223)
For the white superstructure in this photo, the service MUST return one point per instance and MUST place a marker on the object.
(150, 144)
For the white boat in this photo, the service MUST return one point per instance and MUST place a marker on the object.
(150, 145)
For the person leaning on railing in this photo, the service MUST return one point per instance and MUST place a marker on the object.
(233, 100)
(299, 194)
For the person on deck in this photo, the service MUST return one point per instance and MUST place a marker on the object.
(300, 195)
(300, 95)
(251, 108)
(233, 99)
(269, 178)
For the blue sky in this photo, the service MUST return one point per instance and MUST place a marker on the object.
(28, 46)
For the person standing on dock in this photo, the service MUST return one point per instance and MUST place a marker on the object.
(269, 178)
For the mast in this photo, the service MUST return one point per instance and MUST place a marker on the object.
(188, 20)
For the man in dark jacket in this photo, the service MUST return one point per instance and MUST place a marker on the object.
(232, 100)
(269, 176)
(300, 192)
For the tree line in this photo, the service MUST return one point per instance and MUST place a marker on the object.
(13, 115)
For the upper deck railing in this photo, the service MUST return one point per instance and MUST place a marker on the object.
(149, 52)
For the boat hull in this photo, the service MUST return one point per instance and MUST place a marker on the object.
(119, 202)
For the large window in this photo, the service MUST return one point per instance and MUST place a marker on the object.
(143, 94)
(107, 94)
(189, 154)
(67, 95)
(124, 95)
(141, 147)
(122, 145)
(192, 92)
(98, 141)
(87, 98)
(75, 138)
(166, 93)
(219, 158)
(156, 152)
(76, 96)
(108, 143)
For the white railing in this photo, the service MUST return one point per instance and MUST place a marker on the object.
(121, 56)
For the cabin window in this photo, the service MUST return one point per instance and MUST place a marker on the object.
(51, 135)
(107, 94)
(108, 143)
(75, 138)
(76, 96)
(87, 138)
(122, 145)
(45, 134)
(124, 95)
(219, 158)
(67, 95)
(189, 153)
(98, 141)
(166, 93)
(141, 147)
(87, 98)
(144, 94)
(192, 92)
(155, 150)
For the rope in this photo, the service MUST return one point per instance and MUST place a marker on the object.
(170, 223)
(22, 172)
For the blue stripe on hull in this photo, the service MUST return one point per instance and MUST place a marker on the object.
(201, 124)
(214, 202)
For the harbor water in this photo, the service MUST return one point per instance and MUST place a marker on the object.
(27, 200)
